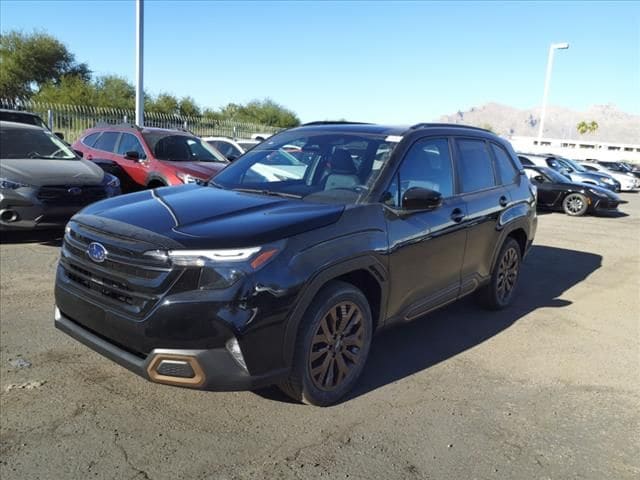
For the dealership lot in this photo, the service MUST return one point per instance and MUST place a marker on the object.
(548, 388)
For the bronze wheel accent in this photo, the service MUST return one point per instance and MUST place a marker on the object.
(507, 273)
(336, 346)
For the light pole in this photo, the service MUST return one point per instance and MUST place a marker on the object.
(552, 49)
(139, 63)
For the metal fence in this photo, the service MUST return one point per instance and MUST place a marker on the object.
(72, 120)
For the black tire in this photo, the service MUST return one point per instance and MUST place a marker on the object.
(575, 204)
(350, 309)
(500, 291)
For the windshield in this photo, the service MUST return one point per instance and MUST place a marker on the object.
(570, 163)
(317, 166)
(181, 148)
(552, 175)
(26, 118)
(33, 143)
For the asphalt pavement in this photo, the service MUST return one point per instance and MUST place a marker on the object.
(547, 389)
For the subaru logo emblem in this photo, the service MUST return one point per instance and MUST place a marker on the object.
(97, 252)
(75, 190)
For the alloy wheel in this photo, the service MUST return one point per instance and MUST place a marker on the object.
(507, 273)
(336, 346)
(575, 204)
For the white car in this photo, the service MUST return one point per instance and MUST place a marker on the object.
(229, 147)
(627, 180)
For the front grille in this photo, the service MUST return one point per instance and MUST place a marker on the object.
(124, 281)
(71, 195)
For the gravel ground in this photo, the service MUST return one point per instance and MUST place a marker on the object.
(549, 389)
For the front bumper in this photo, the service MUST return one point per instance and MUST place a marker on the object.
(208, 369)
(22, 210)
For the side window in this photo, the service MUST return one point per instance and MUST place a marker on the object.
(107, 141)
(129, 143)
(506, 170)
(475, 166)
(89, 140)
(427, 164)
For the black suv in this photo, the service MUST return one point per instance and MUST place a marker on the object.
(281, 270)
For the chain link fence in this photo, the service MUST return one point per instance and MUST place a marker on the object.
(72, 120)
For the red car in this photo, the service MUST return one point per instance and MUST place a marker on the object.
(151, 157)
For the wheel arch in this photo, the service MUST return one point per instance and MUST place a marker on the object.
(365, 273)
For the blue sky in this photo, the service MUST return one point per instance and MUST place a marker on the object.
(397, 62)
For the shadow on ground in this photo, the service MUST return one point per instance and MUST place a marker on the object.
(397, 353)
(52, 238)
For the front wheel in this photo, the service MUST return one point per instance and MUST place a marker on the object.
(575, 204)
(504, 279)
(332, 346)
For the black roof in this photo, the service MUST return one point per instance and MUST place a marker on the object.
(385, 129)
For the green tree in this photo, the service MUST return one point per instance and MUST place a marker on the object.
(164, 103)
(266, 112)
(71, 90)
(114, 92)
(30, 61)
(188, 106)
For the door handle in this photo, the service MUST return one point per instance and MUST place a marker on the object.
(503, 201)
(457, 215)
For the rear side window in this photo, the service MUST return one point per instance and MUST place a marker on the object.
(89, 140)
(129, 143)
(475, 166)
(107, 141)
(506, 170)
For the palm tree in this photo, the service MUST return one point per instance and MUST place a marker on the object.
(584, 127)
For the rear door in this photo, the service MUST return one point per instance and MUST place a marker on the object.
(485, 199)
(137, 170)
(104, 147)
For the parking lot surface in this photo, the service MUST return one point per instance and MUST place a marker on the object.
(549, 388)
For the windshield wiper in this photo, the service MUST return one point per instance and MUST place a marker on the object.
(266, 192)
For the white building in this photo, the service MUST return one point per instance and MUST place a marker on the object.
(578, 149)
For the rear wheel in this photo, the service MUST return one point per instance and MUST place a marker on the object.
(332, 346)
(575, 204)
(504, 279)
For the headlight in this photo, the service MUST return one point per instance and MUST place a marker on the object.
(112, 180)
(186, 178)
(597, 193)
(219, 268)
(7, 184)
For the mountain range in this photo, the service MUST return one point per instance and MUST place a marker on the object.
(614, 125)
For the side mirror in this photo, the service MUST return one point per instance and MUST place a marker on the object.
(538, 179)
(132, 155)
(60, 135)
(231, 157)
(417, 198)
(79, 153)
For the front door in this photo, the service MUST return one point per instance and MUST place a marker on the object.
(426, 247)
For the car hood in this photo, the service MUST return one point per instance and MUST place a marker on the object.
(41, 172)
(208, 217)
(203, 170)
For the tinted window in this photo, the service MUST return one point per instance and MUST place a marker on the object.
(427, 165)
(129, 143)
(89, 140)
(506, 170)
(475, 166)
(181, 148)
(225, 148)
(525, 160)
(26, 118)
(107, 141)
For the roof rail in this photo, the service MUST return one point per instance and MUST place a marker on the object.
(426, 124)
(334, 122)
(118, 125)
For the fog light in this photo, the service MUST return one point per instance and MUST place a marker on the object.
(56, 314)
(174, 369)
(234, 349)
